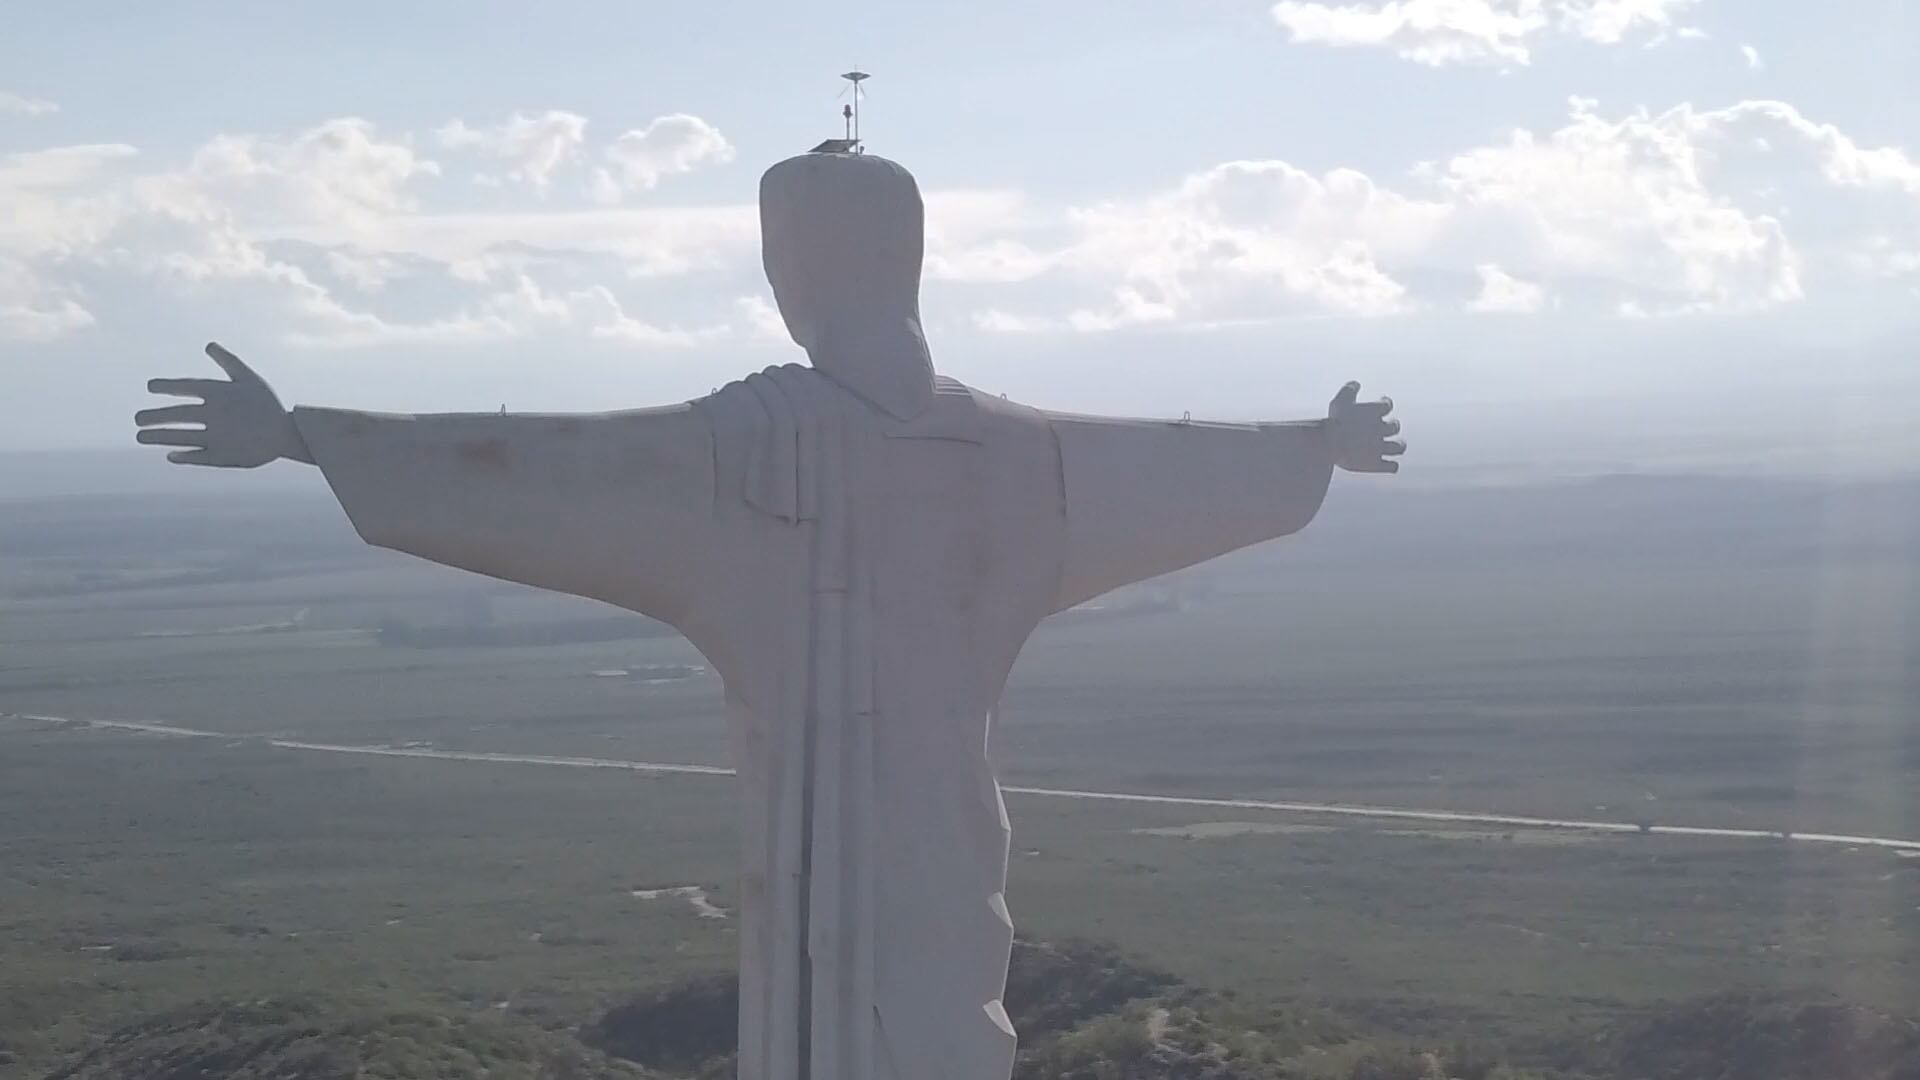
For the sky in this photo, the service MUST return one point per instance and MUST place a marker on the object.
(1567, 236)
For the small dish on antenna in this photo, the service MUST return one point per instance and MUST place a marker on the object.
(849, 112)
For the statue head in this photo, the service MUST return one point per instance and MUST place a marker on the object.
(841, 238)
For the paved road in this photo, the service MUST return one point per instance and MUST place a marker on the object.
(1377, 813)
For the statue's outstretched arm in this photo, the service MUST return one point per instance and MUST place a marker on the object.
(241, 424)
(613, 506)
(1147, 497)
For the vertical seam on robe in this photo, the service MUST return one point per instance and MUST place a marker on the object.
(865, 446)
(773, 466)
(817, 479)
(1066, 518)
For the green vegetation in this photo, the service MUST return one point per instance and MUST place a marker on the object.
(203, 907)
(279, 1040)
(1095, 1017)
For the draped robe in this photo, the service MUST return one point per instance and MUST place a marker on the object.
(862, 584)
(859, 548)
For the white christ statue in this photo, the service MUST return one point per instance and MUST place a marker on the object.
(859, 547)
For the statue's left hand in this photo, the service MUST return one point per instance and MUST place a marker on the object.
(242, 422)
(1361, 434)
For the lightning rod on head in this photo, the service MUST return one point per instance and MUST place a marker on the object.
(850, 115)
(852, 108)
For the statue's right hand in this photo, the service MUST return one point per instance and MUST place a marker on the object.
(1362, 434)
(241, 423)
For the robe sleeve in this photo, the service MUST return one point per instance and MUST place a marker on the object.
(1147, 497)
(613, 506)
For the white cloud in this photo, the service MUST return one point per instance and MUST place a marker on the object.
(1501, 292)
(1243, 239)
(340, 171)
(1610, 22)
(1627, 202)
(347, 199)
(1842, 161)
(1884, 257)
(997, 260)
(535, 148)
(998, 321)
(1434, 32)
(1752, 57)
(1685, 211)
(761, 320)
(365, 271)
(1491, 32)
(638, 160)
(32, 309)
(55, 198)
(336, 236)
(523, 308)
(649, 242)
(18, 105)
(60, 166)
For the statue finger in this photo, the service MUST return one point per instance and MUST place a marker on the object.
(171, 414)
(1393, 448)
(1389, 427)
(191, 457)
(1378, 408)
(236, 369)
(1346, 397)
(199, 388)
(172, 437)
(1378, 465)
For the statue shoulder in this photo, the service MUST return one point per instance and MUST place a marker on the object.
(968, 414)
(990, 409)
(779, 392)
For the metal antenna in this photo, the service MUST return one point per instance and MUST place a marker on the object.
(851, 111)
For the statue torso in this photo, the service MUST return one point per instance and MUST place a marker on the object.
(877, 579)
(950, 527)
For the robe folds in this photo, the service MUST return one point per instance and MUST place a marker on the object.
(862, 584)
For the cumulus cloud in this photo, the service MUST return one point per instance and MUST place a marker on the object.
(341, 171)
(1486, 32)
(761, 319)
(33, 309)
(55, 198)
(1242, 239)
(647, 242)
(1629, 202)
(19, 105)
(523, 307)
(1246, 234)
(996, 260)
(1610, 22)
(533, 148)
(638, 160)
(365, 271)
(1684, 211)
(1501, 292)
(337, 235)
(313, 230)
(1434, 32)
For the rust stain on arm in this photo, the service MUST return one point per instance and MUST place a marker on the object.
(484, 455)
